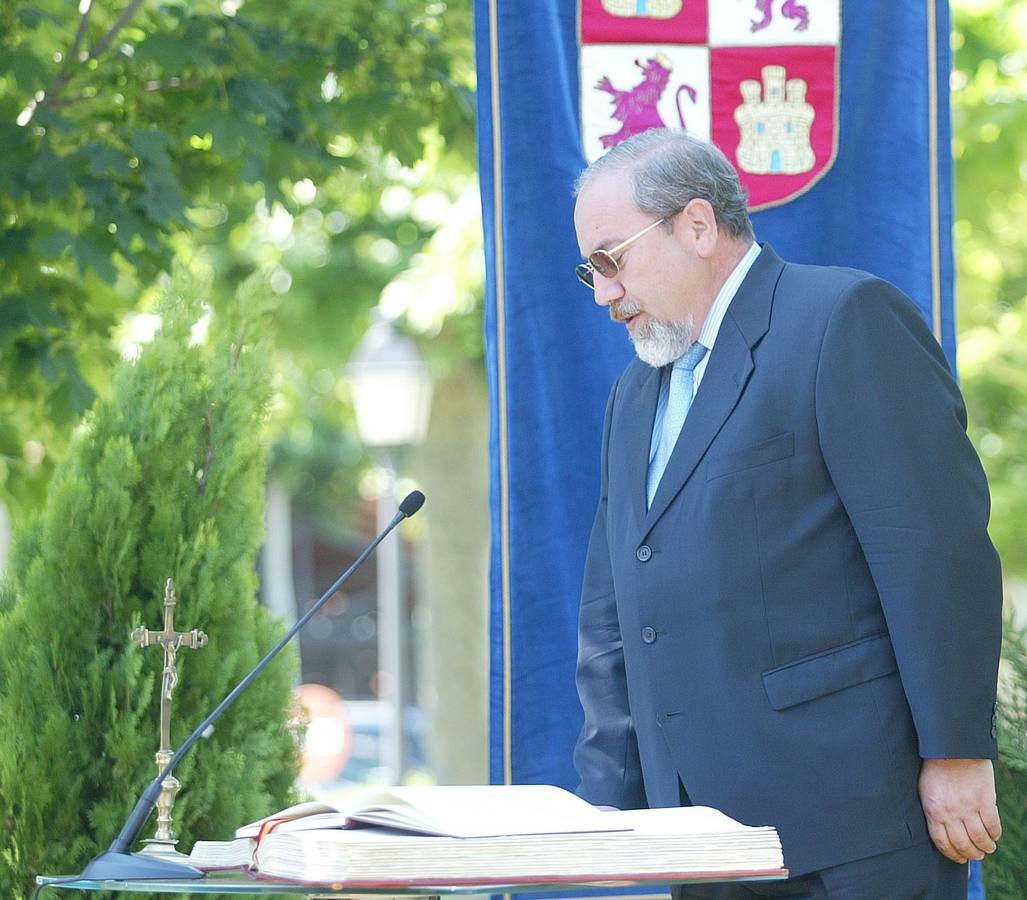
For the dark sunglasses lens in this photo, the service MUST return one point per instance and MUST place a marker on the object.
(584, 273)
(603, 263)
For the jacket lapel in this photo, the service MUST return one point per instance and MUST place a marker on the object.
(726, 376)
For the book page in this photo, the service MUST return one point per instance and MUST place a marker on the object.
(217, 855)
(309, 823)
(675, 820)
(449, 810)
(480, 810)
(300, 810)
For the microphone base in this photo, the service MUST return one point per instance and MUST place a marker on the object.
(115, 866)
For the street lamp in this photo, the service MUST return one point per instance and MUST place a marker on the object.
(392, 396)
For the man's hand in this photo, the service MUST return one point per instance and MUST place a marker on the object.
(958, 796)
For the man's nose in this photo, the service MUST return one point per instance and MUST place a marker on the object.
(607, 290)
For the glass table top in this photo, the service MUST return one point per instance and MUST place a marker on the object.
(235, 883)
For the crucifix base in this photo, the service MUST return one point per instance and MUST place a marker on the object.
(160, 849)
(163, 845)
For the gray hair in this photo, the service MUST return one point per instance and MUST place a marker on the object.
(668, 169)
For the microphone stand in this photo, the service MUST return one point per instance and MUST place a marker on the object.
(118, 863)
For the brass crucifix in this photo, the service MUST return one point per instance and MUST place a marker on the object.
(164, 842)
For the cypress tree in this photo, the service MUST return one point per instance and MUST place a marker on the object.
(165, 480)
(1005, 872)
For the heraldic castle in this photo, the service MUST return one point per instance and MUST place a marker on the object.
(775, 121)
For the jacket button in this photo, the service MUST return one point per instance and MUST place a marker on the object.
(649, 635)
(643, 553)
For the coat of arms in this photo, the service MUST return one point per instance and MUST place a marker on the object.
(758, 77)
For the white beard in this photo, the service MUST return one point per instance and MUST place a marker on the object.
(659, 343)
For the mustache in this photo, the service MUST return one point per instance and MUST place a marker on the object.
(624, 310)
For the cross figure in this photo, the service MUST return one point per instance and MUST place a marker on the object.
(170, 640)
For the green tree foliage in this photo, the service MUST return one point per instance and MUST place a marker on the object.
(436, 297)
(1006, 872)
(136, 130)
(990, 124)
(990, 121)
(165, 479)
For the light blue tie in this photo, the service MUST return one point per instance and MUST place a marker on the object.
(679, 399)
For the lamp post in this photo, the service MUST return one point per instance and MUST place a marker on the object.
(392, 396)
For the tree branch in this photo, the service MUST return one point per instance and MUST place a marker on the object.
(51, 96)
(101, 45)
(172, 84)
(237, 345)
(52, 93)
(80, 37)
(151, 87)
(209, 460)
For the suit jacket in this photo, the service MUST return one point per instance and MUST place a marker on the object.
(812, 604)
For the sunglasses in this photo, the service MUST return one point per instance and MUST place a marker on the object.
(605, 262)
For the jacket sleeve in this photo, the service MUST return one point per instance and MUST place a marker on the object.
(606, 755)
(892, 428)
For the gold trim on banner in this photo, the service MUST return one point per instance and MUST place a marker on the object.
(504, 437)
(932, 106)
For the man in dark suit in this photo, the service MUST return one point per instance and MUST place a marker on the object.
(791, 608)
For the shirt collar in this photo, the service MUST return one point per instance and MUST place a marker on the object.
(714, 318)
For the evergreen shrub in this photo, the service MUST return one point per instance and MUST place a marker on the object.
(1005, 871)
(165, 479)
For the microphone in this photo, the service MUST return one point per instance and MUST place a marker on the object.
(412, 502)
(118, 862)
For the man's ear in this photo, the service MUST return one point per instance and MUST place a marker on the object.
(701, 222)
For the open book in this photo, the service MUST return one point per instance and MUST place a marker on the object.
(450, 811)
(632, 845)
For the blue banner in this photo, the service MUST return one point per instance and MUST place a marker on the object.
(555, 83)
